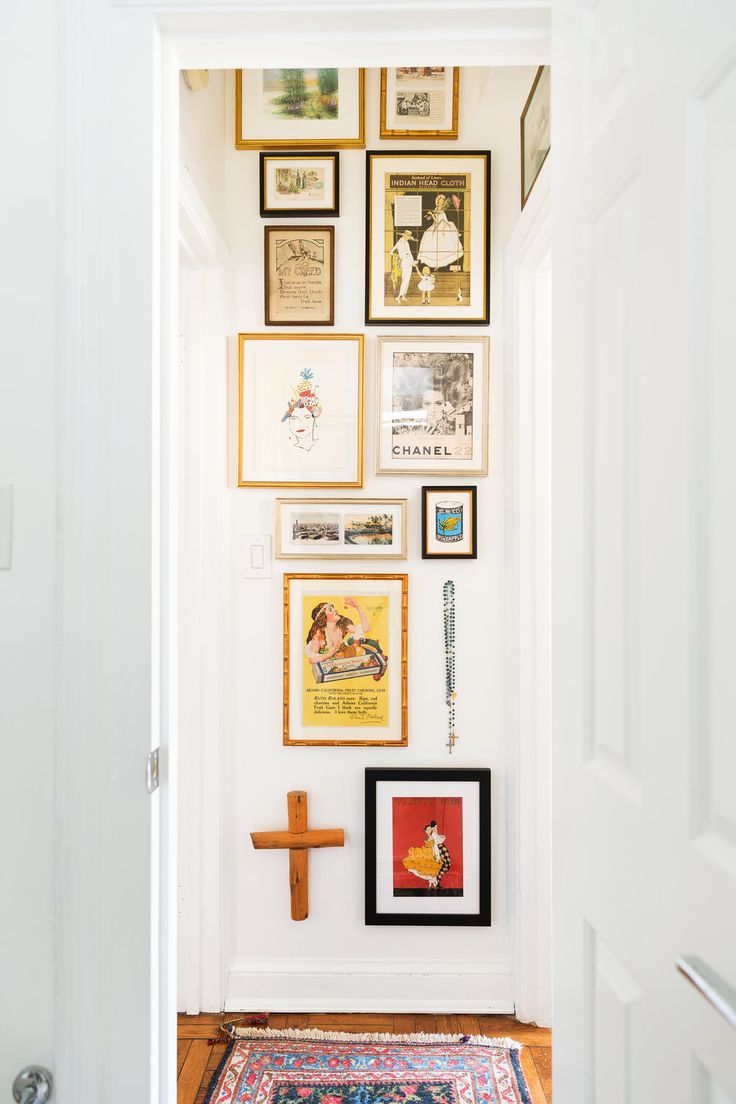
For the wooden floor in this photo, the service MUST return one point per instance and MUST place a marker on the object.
(198, 1058)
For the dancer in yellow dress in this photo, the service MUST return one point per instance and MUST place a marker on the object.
(432, 859)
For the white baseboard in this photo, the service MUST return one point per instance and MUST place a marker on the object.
(367, 985)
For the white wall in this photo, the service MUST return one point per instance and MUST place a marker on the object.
(28, 365)
(333, 960)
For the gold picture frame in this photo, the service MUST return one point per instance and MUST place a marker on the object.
(328, 544)
(320, 142)
(536, 113)
(423, 132)
(385, 595)
(291, 391)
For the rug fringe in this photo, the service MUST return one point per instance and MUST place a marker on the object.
(315, 1034)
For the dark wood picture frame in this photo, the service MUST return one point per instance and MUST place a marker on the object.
(298, 320)
(298, 212)
(448, 555)
(481, 776)
(526, 192)
(413, 319)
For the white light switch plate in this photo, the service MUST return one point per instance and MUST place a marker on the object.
(256, 558)
(6, 526)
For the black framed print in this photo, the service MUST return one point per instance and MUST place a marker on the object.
(449, 523)
(428, 846)
(428, 237)
(300, 184)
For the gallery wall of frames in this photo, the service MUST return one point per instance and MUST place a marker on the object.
(354, 414)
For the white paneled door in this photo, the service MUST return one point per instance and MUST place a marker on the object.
(644, 548)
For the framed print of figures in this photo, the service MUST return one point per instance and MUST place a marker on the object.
(299, 184)
(299, 109)
(428, 847)
(432, 405)
(427, 237)
(419, 102)
(449, 523)
(340, 528)
(535, 131)
(299, 265)
(300, 410)
(345, 660)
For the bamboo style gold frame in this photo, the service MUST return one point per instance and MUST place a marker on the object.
(360, 343)
(451, 132)
(365, 503)
(299, 144)
(403, 742)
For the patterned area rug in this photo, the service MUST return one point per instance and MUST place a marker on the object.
(317, 1067)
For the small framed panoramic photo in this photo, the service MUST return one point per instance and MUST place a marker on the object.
(428, 846)
(345, 661)
(300, 410)
(299, 266)
(340, 528)
(449, 523)
(428, 237)
(535, 131)
(304, 185)
(420, 101)
(299, 109)
(432, 405)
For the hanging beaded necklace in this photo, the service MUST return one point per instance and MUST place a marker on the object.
(448, 595)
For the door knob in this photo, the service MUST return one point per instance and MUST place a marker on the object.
(33, 1085)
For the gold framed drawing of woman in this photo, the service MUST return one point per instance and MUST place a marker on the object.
(428, 237)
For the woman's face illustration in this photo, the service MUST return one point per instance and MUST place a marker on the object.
(301, 424)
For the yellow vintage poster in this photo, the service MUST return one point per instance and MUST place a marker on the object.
(344, 666)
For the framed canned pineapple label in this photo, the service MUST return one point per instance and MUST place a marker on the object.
(428, 237)
(345, 664)
(449, 523)
(432, 408)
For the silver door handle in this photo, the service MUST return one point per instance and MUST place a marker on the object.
(715, 990)
(33, 1085)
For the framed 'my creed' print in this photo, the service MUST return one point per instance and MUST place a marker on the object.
(428, 846)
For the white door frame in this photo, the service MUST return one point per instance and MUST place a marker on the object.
(117, 476)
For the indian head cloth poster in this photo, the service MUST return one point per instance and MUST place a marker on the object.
(427, 838)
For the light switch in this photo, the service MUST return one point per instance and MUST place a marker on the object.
(256, 562)
(6, 526)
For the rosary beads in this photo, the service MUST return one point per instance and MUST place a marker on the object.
(448, 594)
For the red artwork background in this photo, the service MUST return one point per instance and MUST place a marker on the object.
(409, 816)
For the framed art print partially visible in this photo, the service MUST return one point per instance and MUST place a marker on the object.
(340, 528)
(299, 108)
(428, 237)
(449, 523)
(535, 131)
(345, 660)
(300, 410)
(419, 102)
(428, 846)
(299, 184)
(299, 265)
(432, 405)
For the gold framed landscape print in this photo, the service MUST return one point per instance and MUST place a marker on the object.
(535, 131)
(420, 101)
(428, 237)
(432, 397)
(299, 268)
(300, 410)
(300, 184)
(299, 108)
(340, 528)
(345, 660)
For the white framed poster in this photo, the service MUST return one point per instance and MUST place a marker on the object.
(299, 108)
(428, 237)
(432, 405)
(301, 410)
(341, 528)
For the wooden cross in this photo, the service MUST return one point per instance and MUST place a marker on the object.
(298, 840)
